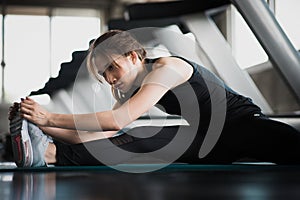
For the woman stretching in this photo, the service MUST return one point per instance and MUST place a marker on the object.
(224, 126)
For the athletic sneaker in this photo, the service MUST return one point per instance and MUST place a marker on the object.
(21, 143)
(39, 142)
(29, 143)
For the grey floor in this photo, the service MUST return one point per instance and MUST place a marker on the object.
(176, 181)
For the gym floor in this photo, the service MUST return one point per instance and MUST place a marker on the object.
(176, 181)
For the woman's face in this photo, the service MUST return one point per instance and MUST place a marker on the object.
(120, 74)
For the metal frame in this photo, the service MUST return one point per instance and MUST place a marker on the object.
(269, 33)
(219, 53)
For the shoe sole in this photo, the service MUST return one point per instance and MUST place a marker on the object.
(21, 144)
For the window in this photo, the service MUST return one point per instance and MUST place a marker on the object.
(69, 33)
(245, 47)
(253, 60)
(36, 45)
(26, 54)
(287, 14)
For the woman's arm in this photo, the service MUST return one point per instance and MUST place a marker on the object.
(167, 74)
(100, 121)
(63, 135)
(74, 136)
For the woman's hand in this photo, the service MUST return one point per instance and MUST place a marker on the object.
(33, 112)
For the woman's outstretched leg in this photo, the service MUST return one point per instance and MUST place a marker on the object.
(260, 139)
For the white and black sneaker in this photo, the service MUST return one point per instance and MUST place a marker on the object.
(21, 143)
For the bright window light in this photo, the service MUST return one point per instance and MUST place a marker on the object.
(35, 48)
(26, 54)
(71, 34)
(287, 14)
(246, 49)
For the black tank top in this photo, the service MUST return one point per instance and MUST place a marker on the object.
(197, 92)
(193, 98)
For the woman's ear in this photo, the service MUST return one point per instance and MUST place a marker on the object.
(134, 57)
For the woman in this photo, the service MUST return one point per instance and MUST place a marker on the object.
(177, 85)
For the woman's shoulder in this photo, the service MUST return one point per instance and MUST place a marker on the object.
(178, 69)
(169, 61)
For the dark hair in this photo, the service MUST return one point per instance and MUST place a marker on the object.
(113, 42)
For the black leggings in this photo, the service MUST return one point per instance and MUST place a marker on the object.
(258, 138)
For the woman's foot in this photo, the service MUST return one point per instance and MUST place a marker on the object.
(21, 143)
(39, 142)
(50, 154)
(29, 143)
